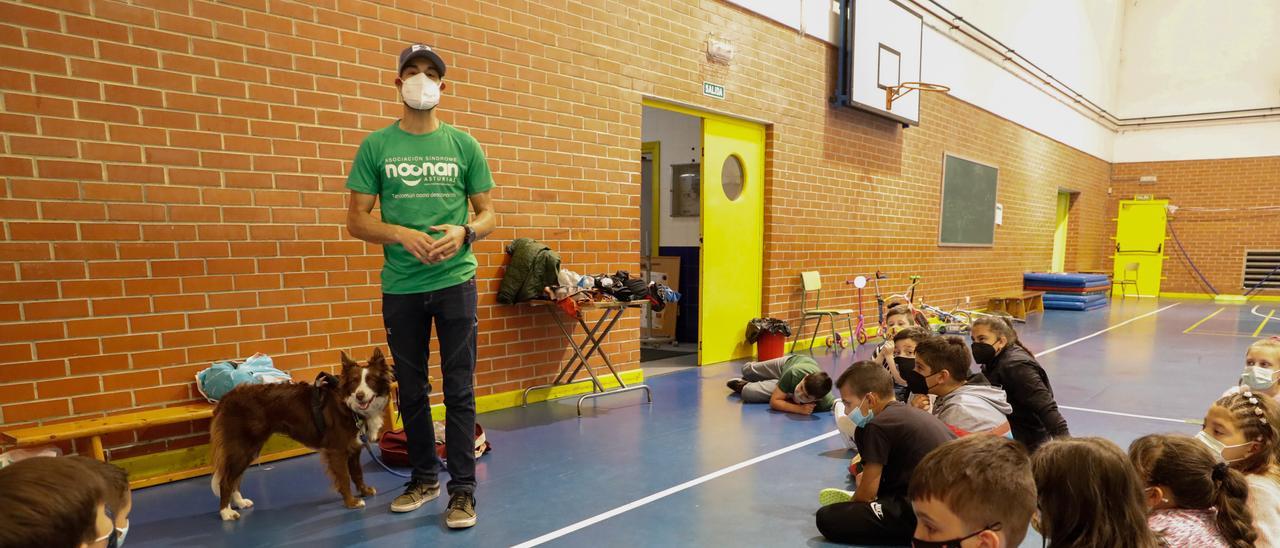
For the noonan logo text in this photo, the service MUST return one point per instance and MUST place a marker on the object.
(412, 174)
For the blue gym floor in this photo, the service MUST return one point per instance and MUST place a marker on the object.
(550, 471)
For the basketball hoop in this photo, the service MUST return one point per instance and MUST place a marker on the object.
(893, 93)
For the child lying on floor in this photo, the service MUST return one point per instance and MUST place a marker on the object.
(791, 384)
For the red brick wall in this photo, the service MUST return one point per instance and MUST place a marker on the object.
(173, 179)
(1215, 240)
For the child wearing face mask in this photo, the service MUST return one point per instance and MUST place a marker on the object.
(896, 319)
(959, 504)
(904, 358)
(1261, 369)
(791, 384)
(904, 345)
(54, 502)
(965, 402)
(1243, 430)
(893, 438)
(119, 497)
(1007, 364)
(1194, 499)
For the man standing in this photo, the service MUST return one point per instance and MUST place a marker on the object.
(425, 172)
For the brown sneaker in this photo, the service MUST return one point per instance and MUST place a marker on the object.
(462, 511)
(416, 493)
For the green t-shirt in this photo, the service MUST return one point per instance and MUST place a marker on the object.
(794, 371)
(422, 181)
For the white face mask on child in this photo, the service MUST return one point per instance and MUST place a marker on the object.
(1259, 378)
(1218, 447)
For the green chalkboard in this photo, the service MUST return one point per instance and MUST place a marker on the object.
(968, 203)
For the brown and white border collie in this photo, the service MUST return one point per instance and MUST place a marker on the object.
(322, 417)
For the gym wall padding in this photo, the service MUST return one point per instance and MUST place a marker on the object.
(1051, 279)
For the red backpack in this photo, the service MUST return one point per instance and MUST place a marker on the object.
(395, 445)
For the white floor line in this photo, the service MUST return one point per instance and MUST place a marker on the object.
(1119, 414)
(1087, 337)
(713, 475)
(671, 491)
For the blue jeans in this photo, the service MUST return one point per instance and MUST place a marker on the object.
(408, 319)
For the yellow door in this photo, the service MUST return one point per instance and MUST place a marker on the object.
(732, 236)
(1060, 233)
(1139, 240)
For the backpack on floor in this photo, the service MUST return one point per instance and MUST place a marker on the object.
(394, 445)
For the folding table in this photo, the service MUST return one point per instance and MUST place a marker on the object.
(595, 336)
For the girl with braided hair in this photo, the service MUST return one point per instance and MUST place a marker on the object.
(1243, 429)
(1194, 499)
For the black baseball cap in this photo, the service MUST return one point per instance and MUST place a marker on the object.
(420, 50)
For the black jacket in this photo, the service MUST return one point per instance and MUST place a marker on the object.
(1035, 418)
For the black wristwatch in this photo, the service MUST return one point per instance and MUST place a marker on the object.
(470, 236)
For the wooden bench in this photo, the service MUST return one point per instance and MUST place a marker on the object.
(94, 428)
(1018, 306)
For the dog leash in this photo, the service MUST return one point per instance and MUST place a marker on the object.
(369, 448)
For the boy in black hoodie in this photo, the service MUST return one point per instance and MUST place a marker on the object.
(1008, 364)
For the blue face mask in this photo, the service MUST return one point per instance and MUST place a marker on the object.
(858, 418)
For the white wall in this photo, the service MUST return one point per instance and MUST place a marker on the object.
(1202, 142)
(1195, 56)
(1077, 41)
(681, 138)
(989, 86)
(1132, 57)
(986, 84)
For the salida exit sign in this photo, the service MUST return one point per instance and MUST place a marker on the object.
(713, 90)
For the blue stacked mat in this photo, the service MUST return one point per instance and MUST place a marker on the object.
(1050, 279)
(1079, 291)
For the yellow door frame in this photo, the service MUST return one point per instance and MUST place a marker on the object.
(707, 115)
(1059, 260)
(654, 150)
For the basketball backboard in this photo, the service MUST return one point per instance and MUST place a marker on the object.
(884, 38)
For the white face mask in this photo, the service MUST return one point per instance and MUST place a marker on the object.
(122, 532)
(1258, 378)
(1218, 447)
(420, 92)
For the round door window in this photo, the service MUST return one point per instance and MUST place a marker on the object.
(731, 177)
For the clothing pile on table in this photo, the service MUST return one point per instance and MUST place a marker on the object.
(534, 273)
(573, 289)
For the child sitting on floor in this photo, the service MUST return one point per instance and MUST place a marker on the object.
(893, 438)
(904, 357)
(1090, 495)
(917, 317)
(896, 319)
(119, 497)
(1244, 431)
(53, 502)
(1261, 369)
(1008, 365)
(956, 499)
(965, 402)
(791, 384)
(1195, 500)
(904, 345)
